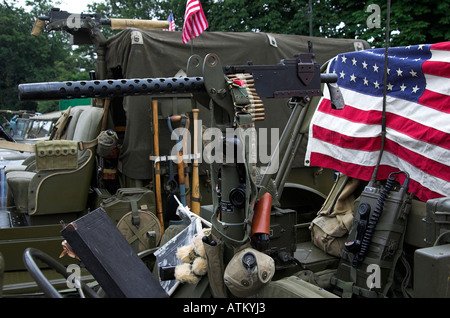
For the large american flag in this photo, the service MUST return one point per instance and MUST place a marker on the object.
(417, 118)
(194, 20)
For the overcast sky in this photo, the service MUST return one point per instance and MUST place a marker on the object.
(72, 6)
(77, 6)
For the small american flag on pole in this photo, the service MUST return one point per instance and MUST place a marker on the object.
(417, 118)
(194, 20)
(171, 23)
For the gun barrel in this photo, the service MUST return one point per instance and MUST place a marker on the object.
(121, 24)
(109, 88)
(119, 87)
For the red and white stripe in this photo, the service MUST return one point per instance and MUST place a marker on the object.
(417, 134)
(194, 21)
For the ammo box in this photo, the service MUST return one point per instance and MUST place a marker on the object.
(109, 257)
(283, 241)
(431, 272)
(125, 199)
(437, 221)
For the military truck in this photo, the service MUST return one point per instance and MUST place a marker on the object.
(123, 179)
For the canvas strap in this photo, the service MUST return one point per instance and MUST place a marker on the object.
(4, 144)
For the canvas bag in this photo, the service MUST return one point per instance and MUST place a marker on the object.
(329, 230)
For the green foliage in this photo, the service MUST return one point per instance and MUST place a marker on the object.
(426, 21)
(50, 57)
(410, 23)
(25, 58)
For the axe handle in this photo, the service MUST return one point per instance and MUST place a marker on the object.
(195, 197)
(159, 212)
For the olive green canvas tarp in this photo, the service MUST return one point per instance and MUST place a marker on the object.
(139, 53)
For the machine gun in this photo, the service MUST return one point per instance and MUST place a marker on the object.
(84, 29)
(293, 78)
(235, 91)
(80, 25)
(298, 78)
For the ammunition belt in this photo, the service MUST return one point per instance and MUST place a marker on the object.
(245, 98)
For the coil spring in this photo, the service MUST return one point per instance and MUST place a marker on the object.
(375, 216)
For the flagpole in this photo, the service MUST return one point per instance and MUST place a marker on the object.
(383, 118)
(194, 17)
(192, 37)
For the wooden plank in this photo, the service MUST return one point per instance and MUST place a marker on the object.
(109, 258)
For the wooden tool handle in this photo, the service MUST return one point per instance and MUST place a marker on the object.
(195, 197)
(159, 212)
(105, 113)
(185, 164)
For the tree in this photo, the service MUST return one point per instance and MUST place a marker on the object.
(50, 57)
(424, 22)
(25, 58)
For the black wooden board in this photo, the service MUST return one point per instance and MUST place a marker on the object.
(110, 259)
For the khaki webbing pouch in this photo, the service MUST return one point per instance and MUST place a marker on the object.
(56, 155)
(329, 230)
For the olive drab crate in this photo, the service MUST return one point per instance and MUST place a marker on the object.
(123, 201)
